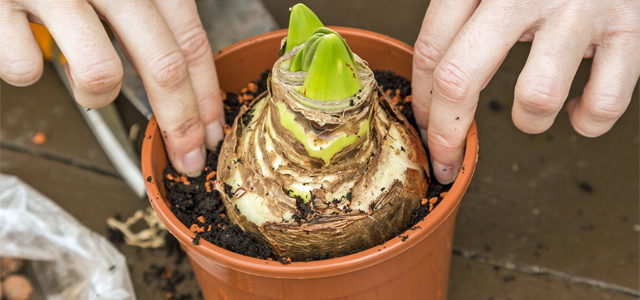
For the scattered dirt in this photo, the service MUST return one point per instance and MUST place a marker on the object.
(166, 280)
(586, 187)
(495, 105)
(199, 207)
(39, 139)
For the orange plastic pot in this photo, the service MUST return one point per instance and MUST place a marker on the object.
(417, 268)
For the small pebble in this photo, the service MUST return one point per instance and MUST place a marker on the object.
(39, 139)
(9, 265)
(252, 87)
(16, 287)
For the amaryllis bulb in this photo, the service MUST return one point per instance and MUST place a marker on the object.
(322, 163)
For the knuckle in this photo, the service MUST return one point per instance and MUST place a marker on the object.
(627, 16)
(606, 107)
(72, 3)
(447, 143)
(540, 96)
(169, 71)
(21, 71)
(195, 45)
(426, 54)
(508, 7)
(419, 105)
(452, 81)
(185, 127)
(622, 27)
(101, 77)
(421, 112)
(572, 16)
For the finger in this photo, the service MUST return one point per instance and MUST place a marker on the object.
(183, 20)
(471, 59)
(546, 78)
(94, 67)
(20, 57)
(441, 24)
(614, 74)
(163, 68)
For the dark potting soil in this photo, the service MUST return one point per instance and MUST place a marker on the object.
(199, 207)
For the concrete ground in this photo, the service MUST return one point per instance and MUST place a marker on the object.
(548, 216)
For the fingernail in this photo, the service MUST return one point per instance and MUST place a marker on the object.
(214, 133)
(423, 135)
(444, 174)
(193, 162)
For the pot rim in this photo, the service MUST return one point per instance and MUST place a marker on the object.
(314, 269)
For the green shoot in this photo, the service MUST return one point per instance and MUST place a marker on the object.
(330, 66)
(302, 23)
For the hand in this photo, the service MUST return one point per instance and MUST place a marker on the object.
(462, 43)
(163, 39)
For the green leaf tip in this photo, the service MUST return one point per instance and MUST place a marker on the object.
(304, 57)
(331, 70)
(302, 24)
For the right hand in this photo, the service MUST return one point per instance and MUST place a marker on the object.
(462, 44)
(163, 39)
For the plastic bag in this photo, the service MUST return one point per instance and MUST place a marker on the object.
(70, 261)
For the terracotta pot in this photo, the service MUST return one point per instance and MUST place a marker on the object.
(417, 268)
